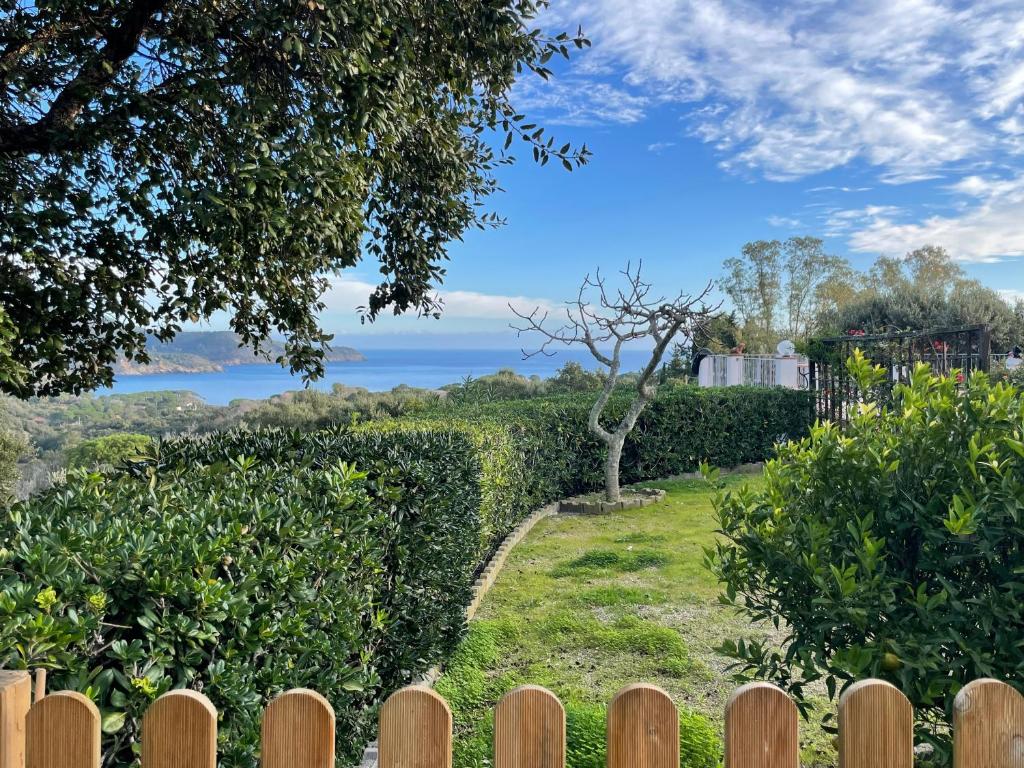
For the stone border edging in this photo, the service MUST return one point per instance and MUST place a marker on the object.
(588, 505)
(490, 572)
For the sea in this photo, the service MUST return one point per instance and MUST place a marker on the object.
(383, 370)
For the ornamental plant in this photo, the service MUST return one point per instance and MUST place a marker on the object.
(892, 548)
(241, 577)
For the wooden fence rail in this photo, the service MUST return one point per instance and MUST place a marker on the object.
(761, 730)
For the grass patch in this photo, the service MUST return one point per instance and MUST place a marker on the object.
(588, 604)
(611, 561)
(615, 595)
(640, 538)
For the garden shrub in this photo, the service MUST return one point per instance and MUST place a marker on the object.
(12, 448)
(892, 548)
(241, 578)
(109, 450)
(456, 462)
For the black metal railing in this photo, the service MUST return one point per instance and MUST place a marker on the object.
(964, 349)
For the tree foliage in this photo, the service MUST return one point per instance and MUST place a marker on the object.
(925, 289)
(162, 160)
(780, 288)
(110, 450)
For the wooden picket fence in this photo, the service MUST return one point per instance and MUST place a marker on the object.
(179, 730)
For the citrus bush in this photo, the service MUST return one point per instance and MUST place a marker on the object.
(893, 548)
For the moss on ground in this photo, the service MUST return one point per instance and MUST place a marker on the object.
(586, 605)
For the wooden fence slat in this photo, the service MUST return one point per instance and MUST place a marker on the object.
(529, 729)
(415, 730)
(876, 727)
(761, 728)
(643, 729)
(988, 726)
(298, 731)
(15, 699)
(62, 730)
(179, 730)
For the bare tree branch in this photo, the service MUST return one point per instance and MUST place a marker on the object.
(621, 316)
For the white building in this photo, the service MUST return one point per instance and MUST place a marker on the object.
(784, 369)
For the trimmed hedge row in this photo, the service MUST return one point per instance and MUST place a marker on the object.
(681, 427)
(477, 463)
(240, 577)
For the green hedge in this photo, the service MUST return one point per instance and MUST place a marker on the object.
(681, 427)
(439, 462)
(241, 577)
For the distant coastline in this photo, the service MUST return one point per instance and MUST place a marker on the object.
(212, 352)
(381, 371)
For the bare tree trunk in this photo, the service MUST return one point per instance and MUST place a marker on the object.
(611, 467)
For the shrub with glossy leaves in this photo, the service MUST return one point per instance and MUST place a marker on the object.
(12, 447)
(240, 577)
(680, 428)
(893, 548)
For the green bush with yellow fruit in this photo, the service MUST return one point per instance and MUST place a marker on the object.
(891, 548)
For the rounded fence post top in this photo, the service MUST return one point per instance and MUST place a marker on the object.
(759, 686)
(307, 693)
(184, 695)
(870, 683)
(966, 696)
(63, 696)
(632, 688)
(530, 691)
(416, 692)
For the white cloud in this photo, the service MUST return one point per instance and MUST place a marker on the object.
(576, 101)
(917, 90)
(989, 227)
(911, 87)
(783, 222)
(838, 189)
(347, 293)
(660, 146)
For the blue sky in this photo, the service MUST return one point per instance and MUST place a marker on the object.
(879, 126)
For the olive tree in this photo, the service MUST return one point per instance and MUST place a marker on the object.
(163, 160)
(619, 317)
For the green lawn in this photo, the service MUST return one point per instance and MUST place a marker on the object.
(587, 604)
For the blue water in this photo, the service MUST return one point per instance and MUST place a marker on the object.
(382, 370)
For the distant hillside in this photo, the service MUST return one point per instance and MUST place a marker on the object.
(206, 351)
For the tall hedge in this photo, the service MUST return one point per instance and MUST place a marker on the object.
(242, 576)
(680, 428)
(438, 462)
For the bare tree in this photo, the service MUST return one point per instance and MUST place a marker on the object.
(618, 318)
